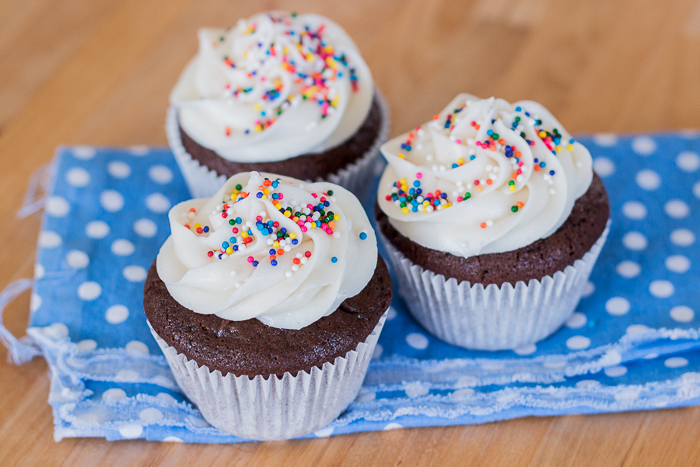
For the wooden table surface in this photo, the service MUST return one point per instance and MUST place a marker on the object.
(99, 72)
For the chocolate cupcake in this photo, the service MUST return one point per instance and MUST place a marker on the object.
(267, 301)
(493, 218)
(277, 93)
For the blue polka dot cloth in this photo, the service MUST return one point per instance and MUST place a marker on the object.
(631, 345)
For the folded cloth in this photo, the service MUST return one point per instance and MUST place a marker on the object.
(632, 343)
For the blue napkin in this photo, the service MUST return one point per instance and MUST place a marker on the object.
(632, 343)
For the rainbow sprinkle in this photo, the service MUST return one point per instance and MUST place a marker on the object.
(311, 44)
(409, 195)
(261, 228)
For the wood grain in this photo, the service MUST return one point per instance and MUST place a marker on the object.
(99, 72)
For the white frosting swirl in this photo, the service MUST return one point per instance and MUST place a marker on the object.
(273, 87)
(507, 175)
(219, 258)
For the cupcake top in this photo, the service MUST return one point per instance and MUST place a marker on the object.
(484, 176)
(275, 86)
(268, 247)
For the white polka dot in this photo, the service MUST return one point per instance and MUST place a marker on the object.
(466, 381)
(603, 166)
(161, 380)
(145, 228)
(577, 320)
(134, 273)
(505, 398)
(131, 431)
(633, 329)
(34, 302)
(588, 289)
(650, 356)
(627, 395)
(688, 161)
(198, 422)
(675, 362)
(122, 247)
(113, 394)
(588, 383)
(415, 389)
(392, 426)
(156, 202)
(696, 189)
(86, 345)
(89, 291)
(390, 313)
(677, 263)
(661, 289)
(493, 366)
(39, 271)
(628, 269)
(111, 200)
(634, 210)
(528, 349)
(615, 371)
(49, 239)
(92, 415)
(578, 342)
(136, 347)
(676, 208)
(97, 229)
(691, 377)
(461, 394)
(648, 180)
(365, 395)
(682, 237)
(160, 174)
(605, 140)
(634, 241)
(77, 259)
(150, 414)
(78, 177)
(324, 432)
(117, 314)
(57, 206)
(118, 169)
(617, 306)
(172, 439)
(126, 375)
(166, 398)
(682, 314)
(84, 152)
(139, 150)
(56, 331)
(554, 364)
(417, 341)
(643, 145)
(378, 349)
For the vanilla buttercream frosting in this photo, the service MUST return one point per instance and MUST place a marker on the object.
(275, 86)
(484, 176)
(273, 248)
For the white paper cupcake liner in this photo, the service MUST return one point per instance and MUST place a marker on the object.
(273, 408)
(492, 317)
(204, 182)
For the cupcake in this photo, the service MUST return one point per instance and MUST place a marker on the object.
(493, 218)
(267, 301)
(277, 93)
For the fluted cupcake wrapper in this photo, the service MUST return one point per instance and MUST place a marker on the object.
(492, 317)
(273, 408)
(204, 182)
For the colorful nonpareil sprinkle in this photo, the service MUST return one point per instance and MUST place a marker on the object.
(261, 228)
(410, 194)
(305, 61)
